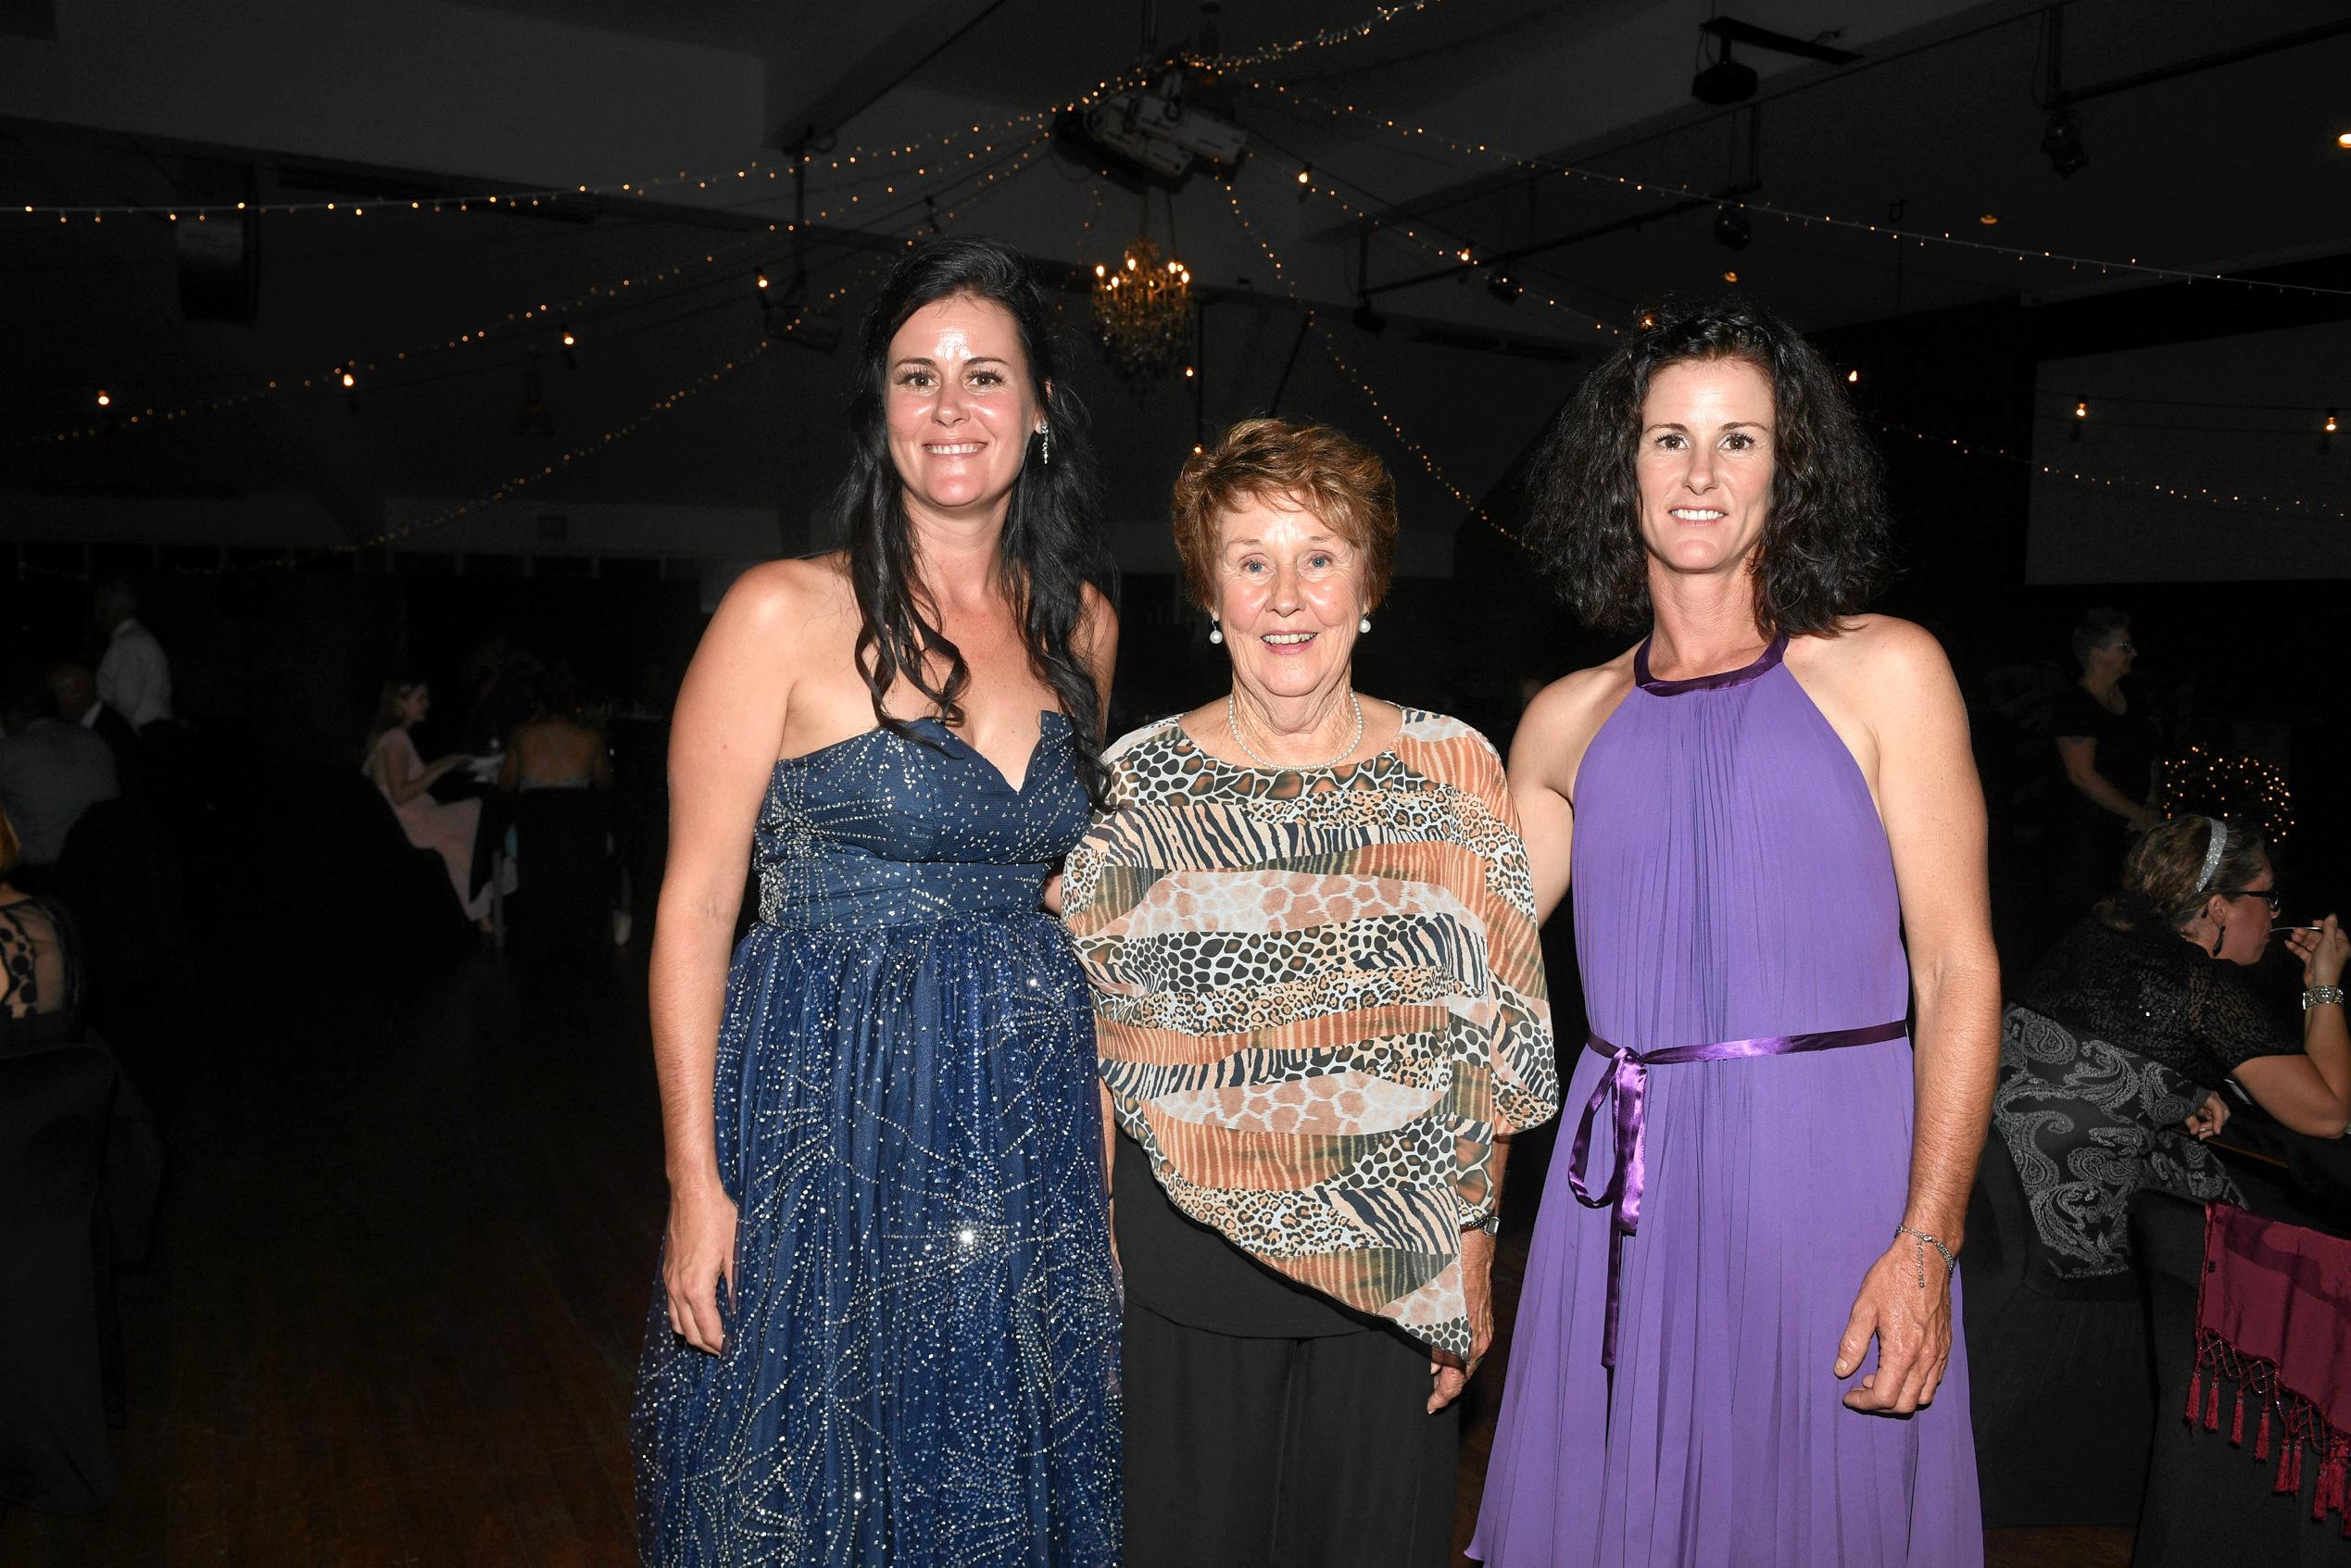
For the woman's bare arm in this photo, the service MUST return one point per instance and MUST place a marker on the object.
(2080, 756)
(1896, 678)
(723, 742)
(1545, 756)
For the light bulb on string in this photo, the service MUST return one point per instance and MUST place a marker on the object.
(105, 400)
(2326, 435)
(2080, 413)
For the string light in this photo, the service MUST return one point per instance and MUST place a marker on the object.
(1328, 37)
(105, 400)
(2249, 503)
(1322, 336)
(1452, 252)
(624, 293)
(2203, 784)
(543, 196)
(1828, 220)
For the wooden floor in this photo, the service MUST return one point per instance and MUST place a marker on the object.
(407, 1248)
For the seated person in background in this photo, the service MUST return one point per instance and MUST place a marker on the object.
(73, 685)
(392, 763)
(50, 772)
(559, 747)
(2112, 1055)
(40, 978)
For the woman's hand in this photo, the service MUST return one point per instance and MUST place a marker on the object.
(1912, 1326)
(1448, 1375)
(701, 1251)
(2209, 1119)
(2321, 952)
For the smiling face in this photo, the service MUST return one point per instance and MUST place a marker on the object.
(1704, 465)
(1290, 592)
(961, 406)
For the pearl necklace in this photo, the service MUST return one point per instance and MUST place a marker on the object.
(1355, 740)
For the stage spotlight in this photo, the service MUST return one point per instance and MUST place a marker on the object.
(1732, 228)
(2062, 142)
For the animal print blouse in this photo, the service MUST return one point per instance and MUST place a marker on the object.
(1319, 998)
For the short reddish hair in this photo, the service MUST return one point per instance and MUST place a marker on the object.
(1339, 480)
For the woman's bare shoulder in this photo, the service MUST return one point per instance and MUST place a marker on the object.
(1874, 661)
(1560, 722)
(1576, 704)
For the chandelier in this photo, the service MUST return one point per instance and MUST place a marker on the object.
(1143, 311)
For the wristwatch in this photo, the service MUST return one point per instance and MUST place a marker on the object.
(2320, 995)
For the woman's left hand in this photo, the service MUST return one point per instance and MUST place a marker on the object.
(1912, 1327)
(2208, 1119)
(1447, 1374)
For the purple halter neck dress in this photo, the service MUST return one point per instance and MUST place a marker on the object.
(1733, 882)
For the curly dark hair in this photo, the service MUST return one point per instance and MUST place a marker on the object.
(1823, 554)
(1053, 545)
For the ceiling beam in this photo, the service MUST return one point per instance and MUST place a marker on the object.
(834, 61)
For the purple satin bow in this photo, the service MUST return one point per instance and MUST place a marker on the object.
(1627, 1083)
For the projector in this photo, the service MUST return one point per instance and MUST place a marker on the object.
(1726, 82)
(1154, 127)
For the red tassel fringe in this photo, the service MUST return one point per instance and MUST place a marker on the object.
(2302, 1425)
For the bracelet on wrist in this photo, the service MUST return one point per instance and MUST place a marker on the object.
(1950, 1263)
(2321, 996)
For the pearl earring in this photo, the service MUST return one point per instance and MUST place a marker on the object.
(1216, 632)
(1363, 625)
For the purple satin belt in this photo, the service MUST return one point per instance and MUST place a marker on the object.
(1627, 1083)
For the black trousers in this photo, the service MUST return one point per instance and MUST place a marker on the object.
(1251, 1452)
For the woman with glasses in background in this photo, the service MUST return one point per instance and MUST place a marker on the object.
(2113, 1056)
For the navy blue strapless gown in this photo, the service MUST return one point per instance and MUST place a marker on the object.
(921, 1362)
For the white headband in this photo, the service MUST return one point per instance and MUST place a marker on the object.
(2213, 851)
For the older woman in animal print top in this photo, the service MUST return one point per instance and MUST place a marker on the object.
(1305, 915)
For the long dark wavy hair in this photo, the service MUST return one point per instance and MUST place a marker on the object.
(1052, 544)
(1823, 554)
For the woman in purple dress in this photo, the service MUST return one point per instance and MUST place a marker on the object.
(1735, 1342)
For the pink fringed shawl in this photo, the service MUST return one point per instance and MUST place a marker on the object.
(2273, 1317)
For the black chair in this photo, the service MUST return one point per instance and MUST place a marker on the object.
(2058, 1373)
(565, 875)
(2207, 1500)
(56, 1105)
(336, 871)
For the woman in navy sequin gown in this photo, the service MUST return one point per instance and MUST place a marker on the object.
(884, 1332)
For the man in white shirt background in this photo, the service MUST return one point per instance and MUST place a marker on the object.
(134, 678)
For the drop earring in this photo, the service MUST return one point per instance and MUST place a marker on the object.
(1362, 626)
(1216, 632)
(1045, 445)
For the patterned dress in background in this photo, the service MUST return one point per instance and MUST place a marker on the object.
(2114, 1041)
(1318, 998)
(921, 1362)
